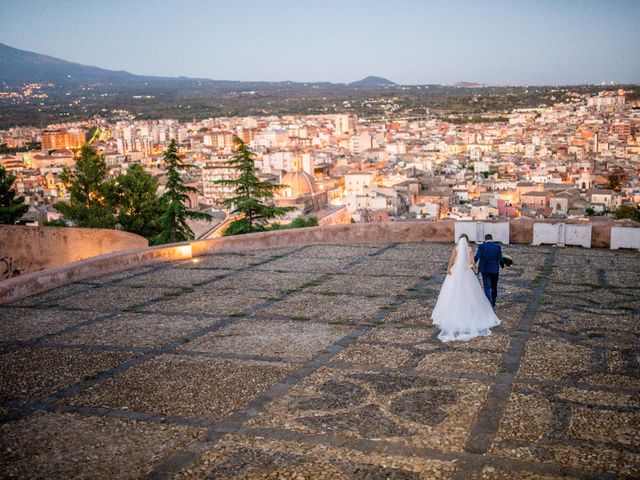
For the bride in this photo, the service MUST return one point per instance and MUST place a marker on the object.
(462, 311)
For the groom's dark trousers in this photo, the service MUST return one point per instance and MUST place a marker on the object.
(490, 284)
(489, 258)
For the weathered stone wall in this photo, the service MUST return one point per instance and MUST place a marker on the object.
(40, 281)
(28, 249)
(384, 232)
(520, 231)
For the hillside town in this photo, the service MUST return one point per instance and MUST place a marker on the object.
(570, 160)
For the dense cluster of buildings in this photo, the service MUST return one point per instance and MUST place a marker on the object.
(567, 160)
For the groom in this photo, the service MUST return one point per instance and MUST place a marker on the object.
(489, 256)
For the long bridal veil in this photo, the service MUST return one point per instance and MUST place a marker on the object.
(463, 311)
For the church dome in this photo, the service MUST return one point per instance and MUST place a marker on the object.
(299, 183)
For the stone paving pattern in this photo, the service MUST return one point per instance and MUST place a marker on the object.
(322, 362)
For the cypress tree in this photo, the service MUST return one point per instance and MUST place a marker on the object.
(250, 192)
(173, 221)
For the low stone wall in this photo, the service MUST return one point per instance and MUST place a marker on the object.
(28, 249)
(384, 232)
(40, 281)
(520, 232)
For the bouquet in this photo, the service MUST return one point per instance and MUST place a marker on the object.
(508, 261)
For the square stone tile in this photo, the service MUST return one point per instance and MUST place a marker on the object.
(375, 355)
(52, 298)
(66, 445)
(32, 373)
(600, 398)
(554, 359)
(436, 249)
(457, 361)
(585, 299)
(226, 261)
(187, 386)
(264, 280)
(414, 312)
(21, 324)
(366, 285)
(521, 273)
(610, 330)
(620, 380)
(497, 473)
(174, 277)
(533, 415)
(334, 308)
(408, 268)
(293, 341)
(421, 254)
(527, 417)
(119, 276)
(509, 313)
(599, 425)
(208, 300)
(261, 253)
(407, 410)
(350, 252)
(578, 273)
(304, 263)
(496, 342)
(136, 330)
(624, 278)
(237, 458)
(113, 298)
(399, 335)
(514, 291)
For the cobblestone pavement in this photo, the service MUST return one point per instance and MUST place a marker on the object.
(322, 362)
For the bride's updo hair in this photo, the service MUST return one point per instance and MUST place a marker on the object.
(465, 237)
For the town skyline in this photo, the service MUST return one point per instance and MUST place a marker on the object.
(570, 160)
(487, 42)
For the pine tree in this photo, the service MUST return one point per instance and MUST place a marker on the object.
(174, 219)
(88, 187)
(11, 208)
(249, 194)
(139, 208)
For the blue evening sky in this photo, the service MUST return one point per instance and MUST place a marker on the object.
(407, 41)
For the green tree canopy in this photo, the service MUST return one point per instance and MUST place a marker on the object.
(615, 179)
(139, 209)
(299, 222)
(173, 222)
(11, 207)
(628, 211)
(88, 188)
(250, 193)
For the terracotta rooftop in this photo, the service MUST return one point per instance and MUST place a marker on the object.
(321, 362)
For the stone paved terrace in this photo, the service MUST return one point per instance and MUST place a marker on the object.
(321, 362)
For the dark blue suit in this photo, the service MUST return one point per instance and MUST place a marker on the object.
(489, 259)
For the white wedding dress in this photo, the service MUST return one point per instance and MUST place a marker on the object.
(463, 311)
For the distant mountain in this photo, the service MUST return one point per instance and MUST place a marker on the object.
(20, 66)
(372, 81)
